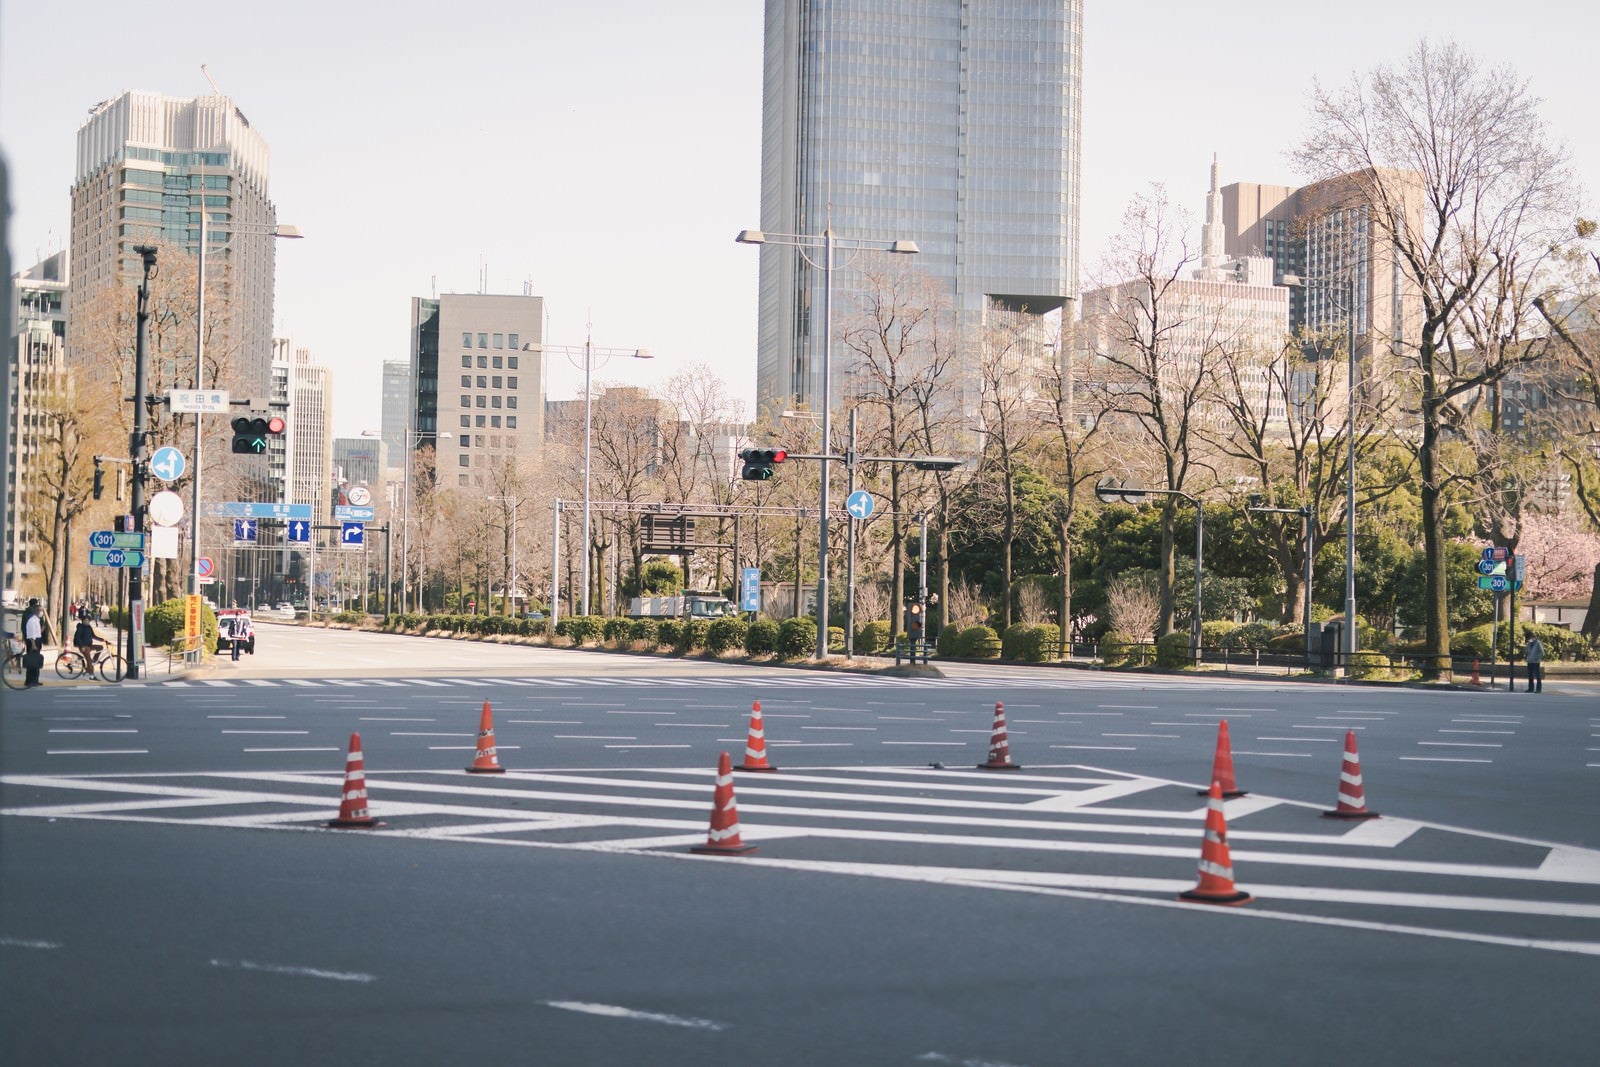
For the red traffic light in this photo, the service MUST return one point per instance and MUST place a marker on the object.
(779, 455)
(275, 425)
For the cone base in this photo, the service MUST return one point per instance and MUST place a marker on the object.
(723, 850)
(999, 766)
(1227, 794)
(768, 769)
(1200, 896)
(354, 824)
(1362, 814)
(486, 770)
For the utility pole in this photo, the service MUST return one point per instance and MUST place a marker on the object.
(141, 419)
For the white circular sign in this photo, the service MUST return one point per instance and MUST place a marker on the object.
(359, 495)
(166, 508)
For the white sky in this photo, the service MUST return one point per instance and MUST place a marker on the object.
(607, 153)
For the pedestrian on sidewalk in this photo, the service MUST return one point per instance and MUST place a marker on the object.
(33, 638)
(1534, 656)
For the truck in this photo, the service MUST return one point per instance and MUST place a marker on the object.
(681, 606)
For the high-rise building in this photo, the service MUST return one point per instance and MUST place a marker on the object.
(35, 364)
(476, 383)
(147, 166)
(952, 125)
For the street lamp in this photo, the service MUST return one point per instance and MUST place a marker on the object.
(589, 352)
(284, 231)
(1295, 281)
(412, 437)
(826, 241)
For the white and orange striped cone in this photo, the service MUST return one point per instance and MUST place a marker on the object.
(1216, 866)
(999, 746)
(1222, 764)
(487, 761)
(1352, 796)
(723, 839)
(353, 800)
(755, 746)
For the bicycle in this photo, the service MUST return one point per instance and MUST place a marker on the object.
(70, 664)
(12, 672)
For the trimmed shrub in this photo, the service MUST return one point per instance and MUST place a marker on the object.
(533, 627)
(667, 633)
(761, 637)
(1172, 651)
(350, 618)
(1250, 635)
(836, 639)
(643, 630)
(1214, 633)
(691, 635)
(726, 635)
(163, 623)
(978, 642)
(1012, 639)
(1372, 666)
(580, 628)
(797, 638)
(1118, 649)
(948, 642)
(1042, 643)
(872, 637)
(1559, 642)
(618, 631)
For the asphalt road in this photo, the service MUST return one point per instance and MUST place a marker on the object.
(169, 893)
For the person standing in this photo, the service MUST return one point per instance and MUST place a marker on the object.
(33, 637)
(1534, 656)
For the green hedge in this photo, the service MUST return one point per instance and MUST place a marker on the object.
(692, 634)
(761, 638)
(797, 638)
(1030, 643)
(667, 633)
(1559, 642)
(1172, 651)
(617, 631)
(580, 628)
(871, 638)
(726, 635)
(643, 630)
(978, 642)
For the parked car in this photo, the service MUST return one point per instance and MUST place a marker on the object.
(228, 619)
(285, 607)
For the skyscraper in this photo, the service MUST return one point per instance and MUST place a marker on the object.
(950, 124)
(147, 166)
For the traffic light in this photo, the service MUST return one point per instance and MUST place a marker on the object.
(759, 462)
(250, 433)
(914, 621)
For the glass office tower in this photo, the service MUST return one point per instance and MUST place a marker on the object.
(945, 122)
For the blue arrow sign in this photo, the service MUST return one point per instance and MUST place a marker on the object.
(244, 529)
(859, 504)
(167, 464)
(115, 539)
(353, 535)
(299, 530)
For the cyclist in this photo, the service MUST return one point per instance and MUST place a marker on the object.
(84, 640)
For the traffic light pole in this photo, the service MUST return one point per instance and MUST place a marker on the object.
(137, 443)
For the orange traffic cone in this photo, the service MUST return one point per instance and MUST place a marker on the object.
(1475, 672)
(353, 801)
(999, 746)
(1216, 867)
(1352, 797)
(1222, 764)
(755, 746)
(487, 760)
(724, 837)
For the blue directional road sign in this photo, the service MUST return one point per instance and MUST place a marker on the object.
(244, 530)
(299, 530)
(352, 535)
(116, 557)
(750, 589)
(859, 504)
(167, 464)
(237, 510)
(114, 539)
(351, 512)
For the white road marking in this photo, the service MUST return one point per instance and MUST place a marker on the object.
(1101, 748)
(614, 1012)
(89, 730)
(1443, 759)
(22, 942)
(330, 748)
(1463, 744)
(1256, 752)
(296, 972)
(264, 733)
(269, 717)
(97, 752)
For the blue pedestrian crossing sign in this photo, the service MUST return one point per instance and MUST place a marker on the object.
(352, 534)
(299, 530)
(859, 504)
(244, 530)
(167, 464)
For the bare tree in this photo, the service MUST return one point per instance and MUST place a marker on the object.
(1068, 450)
(1462, 184)
(1133, 602)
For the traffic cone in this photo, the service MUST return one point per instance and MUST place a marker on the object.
(1216, 867)
(755, 746)
(999, 747)
(1475, 671)
(723, 839)
(1222, 765)
(353, 800)
(487, 760)
(1352, 797)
